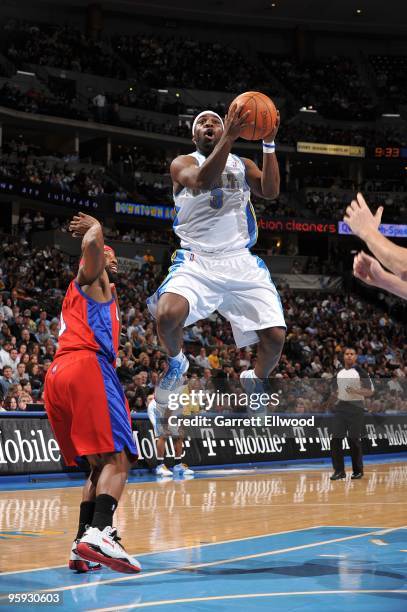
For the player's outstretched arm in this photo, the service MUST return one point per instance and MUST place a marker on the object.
(93, 258)
(185, 171)
(265, 183)
(370, 271)
(365, 225)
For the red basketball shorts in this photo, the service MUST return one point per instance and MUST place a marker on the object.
(86, 407)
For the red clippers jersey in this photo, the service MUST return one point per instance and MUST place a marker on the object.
(88, 325)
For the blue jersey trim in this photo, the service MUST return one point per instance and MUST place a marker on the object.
(251, 225)
(87, 297)
(100, 322)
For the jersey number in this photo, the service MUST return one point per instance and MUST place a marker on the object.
(216, 200)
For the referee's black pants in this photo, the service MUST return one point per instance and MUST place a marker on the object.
(347, 421)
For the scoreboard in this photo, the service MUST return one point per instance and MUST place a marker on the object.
(390, 152)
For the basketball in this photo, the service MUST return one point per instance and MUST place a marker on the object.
(263, 114)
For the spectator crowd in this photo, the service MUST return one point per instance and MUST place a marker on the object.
(320, 326)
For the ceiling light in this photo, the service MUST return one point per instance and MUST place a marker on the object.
(308, 109)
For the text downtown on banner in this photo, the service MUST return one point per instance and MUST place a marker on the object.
(27, 444)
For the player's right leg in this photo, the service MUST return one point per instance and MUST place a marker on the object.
(188, 293)
(100, 542)
(86, 512)
(162, 469)
(93, 420)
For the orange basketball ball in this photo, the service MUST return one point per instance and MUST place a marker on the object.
(263, 114)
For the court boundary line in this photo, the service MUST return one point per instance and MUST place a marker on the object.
(170, 550)
(142, 575)
(163, 602)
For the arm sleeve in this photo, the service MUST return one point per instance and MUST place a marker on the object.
(365, 379)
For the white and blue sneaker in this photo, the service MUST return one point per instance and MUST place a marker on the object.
(182, 470)
(250, 382)
(172, 380)
(162, 470)
(253, 385)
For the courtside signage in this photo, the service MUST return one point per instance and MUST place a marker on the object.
(330, 149)
(27, 444)
(144, 210)
(387, 229)
(294, 225)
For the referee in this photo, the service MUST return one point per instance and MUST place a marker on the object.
(353, 385)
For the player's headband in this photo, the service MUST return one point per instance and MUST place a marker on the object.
(106, 248)
(207, 112)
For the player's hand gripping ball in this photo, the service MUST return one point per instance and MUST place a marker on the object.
(263, 117)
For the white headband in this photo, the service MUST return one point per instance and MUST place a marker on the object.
(206, 112)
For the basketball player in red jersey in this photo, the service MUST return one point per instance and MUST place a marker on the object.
(86, 406)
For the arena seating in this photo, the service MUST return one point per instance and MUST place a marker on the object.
(320, 326)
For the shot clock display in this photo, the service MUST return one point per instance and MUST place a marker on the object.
(390, 152)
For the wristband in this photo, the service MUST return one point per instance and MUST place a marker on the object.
(269, 147)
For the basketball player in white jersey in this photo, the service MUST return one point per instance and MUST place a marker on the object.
(214, 269)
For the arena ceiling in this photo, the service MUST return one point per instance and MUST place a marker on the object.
(375, 16)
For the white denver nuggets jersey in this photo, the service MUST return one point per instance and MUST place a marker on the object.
(219, 220)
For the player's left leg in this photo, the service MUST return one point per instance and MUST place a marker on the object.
(269, 349)
(252, 305)
(101, 543)
(338, 431)
(180, 468)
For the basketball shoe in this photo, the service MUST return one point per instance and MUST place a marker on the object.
(162, 470)
(172, 379)
(78, 563)
(250, 382)
(182, 470)
(104, 547)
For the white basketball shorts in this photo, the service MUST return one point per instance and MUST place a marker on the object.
(238, 285)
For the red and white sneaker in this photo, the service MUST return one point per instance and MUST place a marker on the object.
(78, 564)
(104, 547)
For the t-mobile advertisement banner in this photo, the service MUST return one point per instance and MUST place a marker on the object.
(28, 446)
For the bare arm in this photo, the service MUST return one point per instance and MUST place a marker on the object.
(370, 271)
(394, 284)
(266, 182)
(391, 255)
(365, 225)
(91, 272)
(360, 392)
(185, 171)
